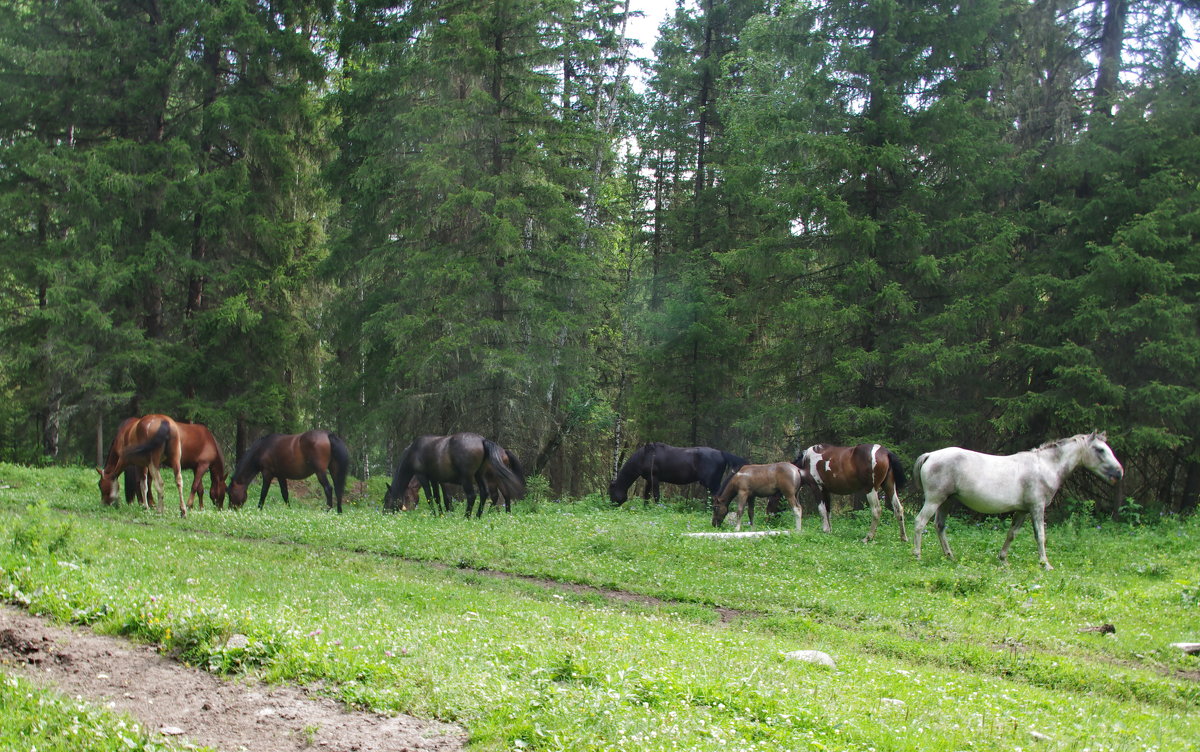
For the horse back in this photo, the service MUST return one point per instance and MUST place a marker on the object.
(987, 483)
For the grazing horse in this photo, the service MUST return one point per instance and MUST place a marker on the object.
(198, 452)
(462, 458)
(285, 457)
(133, 475)
(846, 470)
(449, 490)
(146, 443)
(759, 480)
(1023, 483)
(663, 463)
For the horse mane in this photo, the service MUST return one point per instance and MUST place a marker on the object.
(629, 471)
(1057, 443)
(251, 456)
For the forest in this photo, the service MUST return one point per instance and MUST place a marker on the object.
(923, 224)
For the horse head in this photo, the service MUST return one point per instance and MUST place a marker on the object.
(390, 502)
(237, 493)
(617, 494)
(1099, 458)
(720, 511)
(411, 497)
(108, 488)
(217, 492)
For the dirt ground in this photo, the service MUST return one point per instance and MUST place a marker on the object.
(169, 698)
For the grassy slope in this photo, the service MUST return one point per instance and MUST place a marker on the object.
(978, 656)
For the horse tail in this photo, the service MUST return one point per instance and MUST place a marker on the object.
(510, 485)
(897, 469)
(514, 464)
(340, 455)
(917, 470)
(159, 440)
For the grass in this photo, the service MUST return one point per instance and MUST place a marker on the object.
(404, 613)
(34, 718)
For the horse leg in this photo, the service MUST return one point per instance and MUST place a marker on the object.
(797, 508)
(197, 487)
(940, 521)
(1017, 520)
(325, 484)
(743, 499)
(156, 477)
(485, 494)
(889, 489)
(283, 491)
(927, 512)
(266, 483)
(144, 489)
(469, 490)
(1039, 532)
(873, 502)
(824, 504)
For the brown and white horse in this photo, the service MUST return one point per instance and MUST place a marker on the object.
(846, 470)
(758, 480)
(146, 443)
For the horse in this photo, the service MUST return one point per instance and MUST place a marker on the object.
(759, 480)
(285, 457)
(458, 458)
(199, 452)
(144, 443)
(1023, 483)
(133, 477)
(663, 463)
(449, 490)
(846, 470)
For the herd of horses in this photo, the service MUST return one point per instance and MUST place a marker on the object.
(480, 469)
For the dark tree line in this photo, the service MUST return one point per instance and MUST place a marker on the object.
(920, 223)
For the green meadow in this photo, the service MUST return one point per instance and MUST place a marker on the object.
(569, 625)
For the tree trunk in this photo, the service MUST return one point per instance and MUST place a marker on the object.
(1112, 39)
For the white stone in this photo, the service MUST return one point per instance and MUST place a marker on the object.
(170, 730)
(812, 656)
(1188, 647)
(237, 642)
(743, 534)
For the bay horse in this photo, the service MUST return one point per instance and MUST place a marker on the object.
(132, 474)
(1023, 483)
(146, 442)
(462, 458)
(663, 463)
(845, 470)
(749, 481)
(199, 452)
(450, 490)
(285, 457)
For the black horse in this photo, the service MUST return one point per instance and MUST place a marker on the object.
(663, 463)
(467, 459)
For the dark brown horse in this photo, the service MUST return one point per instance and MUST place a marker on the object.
(782, 478)
(448, 491)
(285, 457)
(145, 443)
(846, 470)
(463, 458)
(663, 463)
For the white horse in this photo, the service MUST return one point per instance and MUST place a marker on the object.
(1021, 483)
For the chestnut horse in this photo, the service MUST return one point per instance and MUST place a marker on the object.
(146, 443)
(458, 458)
(133, 475)
(448, 490)
(759, 480)
(285, 457)
(199, 452)
(846, 470)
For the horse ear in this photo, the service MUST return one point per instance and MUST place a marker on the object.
(1102, 435)
(100, 472)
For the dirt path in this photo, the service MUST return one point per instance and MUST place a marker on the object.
(227, 715)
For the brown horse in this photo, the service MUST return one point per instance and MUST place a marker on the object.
(458, 458)
(449, 490)
(146, 442)
(758, 480)
(285, 457)
(199, 452)
(133, 474)
(846, 470)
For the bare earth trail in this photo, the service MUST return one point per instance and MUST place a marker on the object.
(223, 714)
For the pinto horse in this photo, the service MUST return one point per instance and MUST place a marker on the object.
(145, 443)
(467, 459)
(1023, 483)
(846, 470)
(449, 490)
(663, 463)
(285, 457)
(749, 481)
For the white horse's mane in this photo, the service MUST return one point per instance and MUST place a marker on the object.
(1056, 443)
